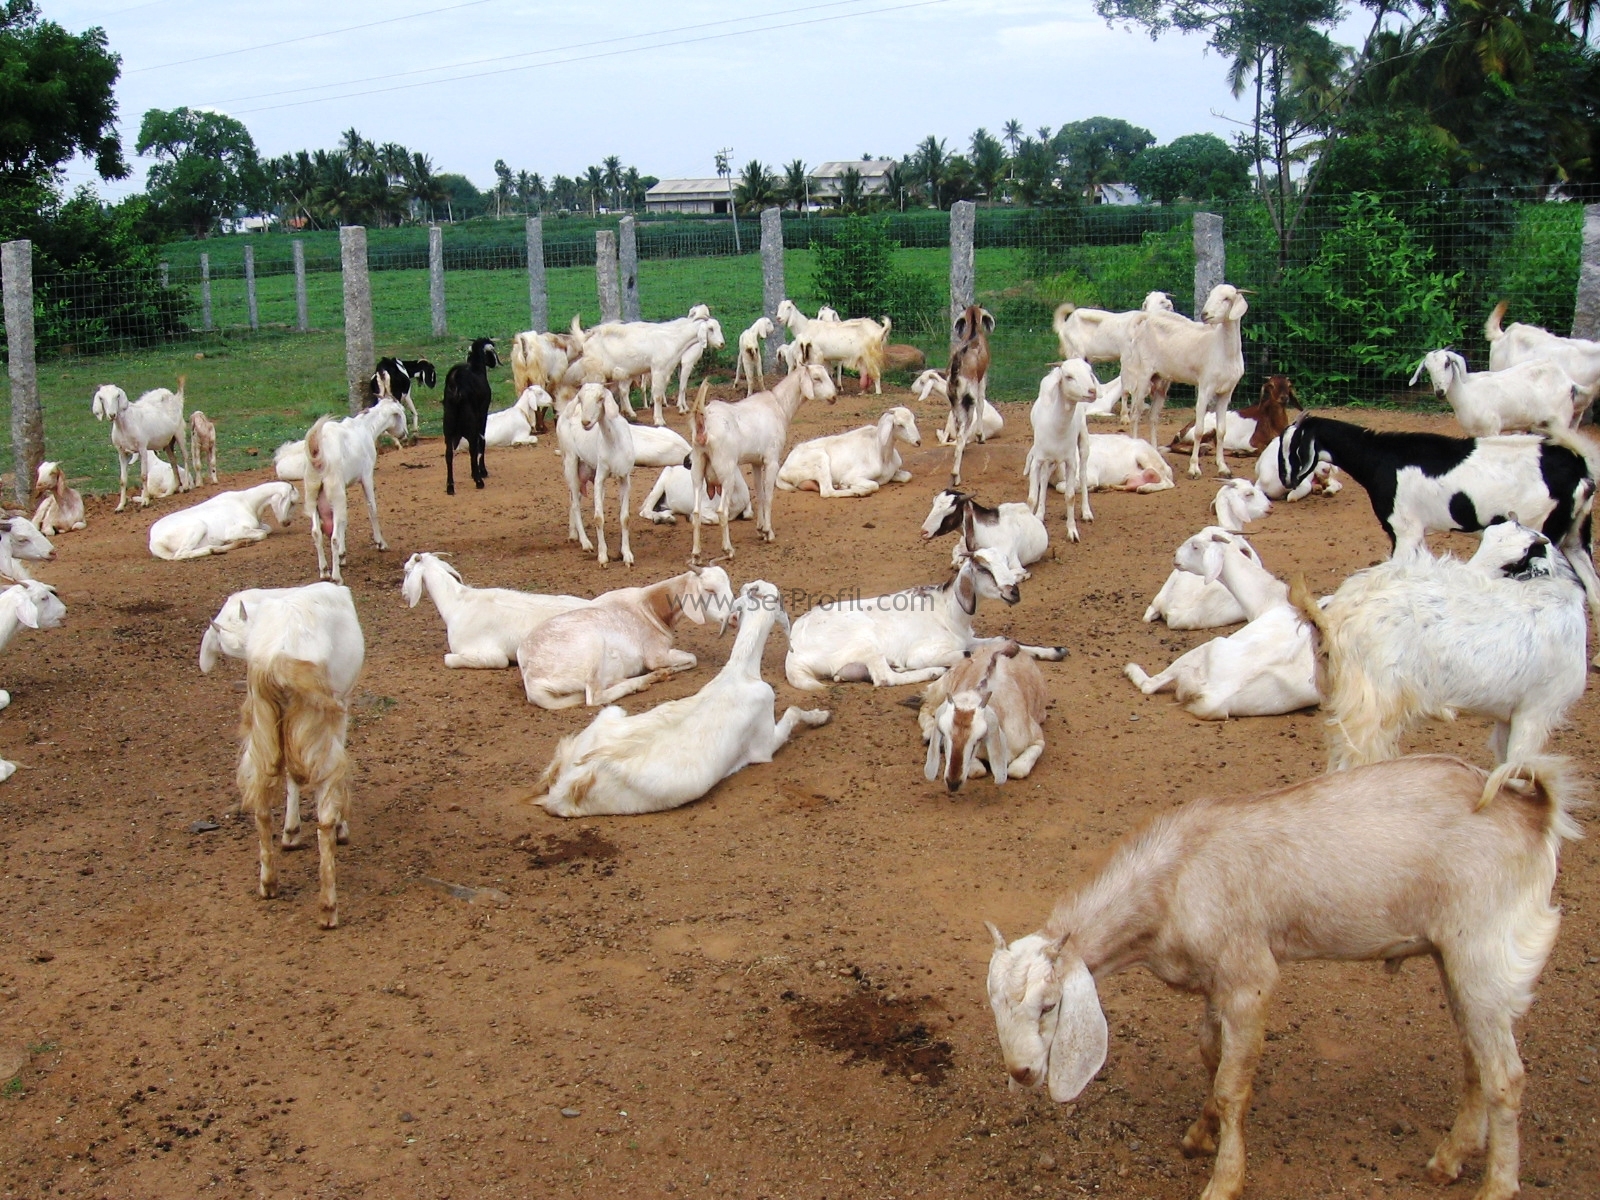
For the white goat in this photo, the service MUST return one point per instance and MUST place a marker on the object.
(932, 383)
(1422, 637)
(680, 750)
(1097, 335)
(1166, 348)
(514, 426)
(202, 445)
(484, 626)
(159, 479)
(621, 351)
(20, 542)
(859, 343)
(225, 522)
(1011, 530)
(596, 445)
(988, 708)
(1215, 896)
(1120, 463)
(1205, 601)
(1061, 439)
(857, 463)
(153, 422)
(61, 507)
(1238, 502)
(749, 361)
(657, 446)
(1578, 357)
(339, 453)
(905, 637)
(755, 430)
(620, 642)
(673, 497)
(1531, 395)
(28, 605)
(303, 648)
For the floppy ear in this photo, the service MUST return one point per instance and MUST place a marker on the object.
(1212, 558)
(930, 769)
(1417, 374)
(995, 748)
(966, 592)
(968, 527)
(1238, 308)
(27, 611)
(1078, 1049)
(210, 647)
(987, 320)
(808, 386)
(693, 604)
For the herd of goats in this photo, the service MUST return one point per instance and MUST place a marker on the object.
(1385, 857)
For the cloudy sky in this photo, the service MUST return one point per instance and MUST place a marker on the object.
(554, 87)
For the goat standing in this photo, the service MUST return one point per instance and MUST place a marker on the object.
(968, 380)
(467, 397)
(153, 422)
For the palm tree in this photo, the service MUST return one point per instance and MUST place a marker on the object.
(757, 188)
(850, 190)
(564, 193)
(796, 185)
(1011, 131)
(632, 187)
(423, 186)
(930, 164)
(594, 182)
(613, 179)
(894, 186)
(988, 164)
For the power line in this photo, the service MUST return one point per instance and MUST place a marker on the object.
(590, 57)
(309, 37)
(503, 58)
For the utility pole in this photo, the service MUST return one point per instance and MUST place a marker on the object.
(725, 170)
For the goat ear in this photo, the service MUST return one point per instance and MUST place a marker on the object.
(1238, 308)
(969, 529)
(1417, 374)
(930, 768)
(28, 612)
(808, 386)
(1078, 1049)
(988, 319)
(966, 592)
(994, 932)
(1213, 563)
(995, 748)
(961, 328)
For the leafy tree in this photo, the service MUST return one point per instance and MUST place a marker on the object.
(1198, 166)
(855, 274)
(1036, 170)
(756, 189)
(55, 98)
(989, 165)
(929, 163)
(1099, 150)
(208, 167)
(796, 186)
(462, 198)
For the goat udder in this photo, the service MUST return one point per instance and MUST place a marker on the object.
(325, 513)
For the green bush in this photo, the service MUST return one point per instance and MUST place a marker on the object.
(855, 274)
(1539, 265)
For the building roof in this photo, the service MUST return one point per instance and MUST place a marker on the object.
(689, 187)
(868, 167)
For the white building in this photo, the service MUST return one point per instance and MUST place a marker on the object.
(826, 180)
(688, 196)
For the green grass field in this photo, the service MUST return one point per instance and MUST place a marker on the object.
(266, 387)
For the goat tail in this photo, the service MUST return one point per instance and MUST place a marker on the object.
(183, 381)
(314, 445)
(1059, 321)
(1549, 784)
(527, 363)
(1301, 598)
(292, 723)
(1491, 328)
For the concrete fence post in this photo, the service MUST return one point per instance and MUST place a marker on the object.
(358, 354)
(628, 247)
(27, 418)
(205, 292)
(1586, 311)
(605, 274)
(300, 321)
(1210, 257)
(250, 285)
(538, 299)
(436, 279)
(963, 275)
(165, 275)
(772, 286)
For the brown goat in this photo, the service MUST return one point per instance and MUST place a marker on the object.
(1256, 425)
(969, 379)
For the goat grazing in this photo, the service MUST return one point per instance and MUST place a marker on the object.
(402, 373)
(620, 642)
(60, 507)
(1166, 348)
(680, 750)
(1203, 601)
(1422, 637)
(596, 445)
(26, 605)
(339, 453)
(726, 436)
(673, 497)
(153, 422)
(225, 522)
(515, 426)
(932, 383)
(484, 626)
(967, 380)
(905, 637)
(1011, 530)
(1249, 430)
(860, 343)
(467, 397)
(1531, 395)
(749, 361)
(202, 445)
(857, 463)
(1215, 896)
(303, 649)
(988, 708)
(1578, 357)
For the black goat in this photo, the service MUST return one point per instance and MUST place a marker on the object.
(466, 411)
(403, 372)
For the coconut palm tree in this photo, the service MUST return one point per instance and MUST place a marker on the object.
(930, 160)
(613, 179)
(633, 187)
(757, 188)
(1011, 132)
(989, 164)
(796, 187)
(594, 184)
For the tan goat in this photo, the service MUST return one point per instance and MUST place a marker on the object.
(989, 707)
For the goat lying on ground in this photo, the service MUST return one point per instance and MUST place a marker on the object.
(303, 648)
(620, 642)
(1531, 395)
(655, 446)
(673, 497)
(225, 522)
(1238, 502)
(28, 605)
(60, 507)
(1519, 343)
(911, 636)
(160, 480)
(467, 397)
(1421, 637)
(153, 422)
(680, 750)
(1249, 430)
(1011, 530)
(20, 542)
(857, 463)
(1269, 478)
(202, 445)
(1215, 896)
(1190, 601)
(483, 626)
(988, 708)
(515, 426)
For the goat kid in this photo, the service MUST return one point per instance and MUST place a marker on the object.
(1249, 430)
(987, 709)
(60, 507)
(202, 444)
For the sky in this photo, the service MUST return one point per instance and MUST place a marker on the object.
(555, 87)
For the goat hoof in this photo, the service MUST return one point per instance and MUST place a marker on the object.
(329, 920)
(1443, 1168)
(1198, 1141)
(266, 890)
(1194, 472)
(291, 840)
(450, 491)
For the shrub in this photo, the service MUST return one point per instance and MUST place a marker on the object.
(855, 274)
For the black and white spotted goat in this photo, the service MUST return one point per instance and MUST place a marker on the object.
(402, 372)
(1422, 483)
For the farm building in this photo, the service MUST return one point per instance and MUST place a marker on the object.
(825, 180)
(688, 196)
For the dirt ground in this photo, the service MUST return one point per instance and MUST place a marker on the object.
(774, 992)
